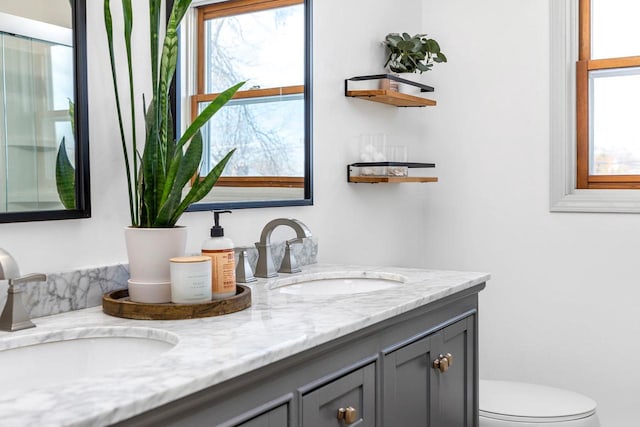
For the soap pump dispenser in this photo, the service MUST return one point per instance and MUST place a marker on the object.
(223, 266)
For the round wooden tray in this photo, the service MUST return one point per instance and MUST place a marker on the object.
(117, 304)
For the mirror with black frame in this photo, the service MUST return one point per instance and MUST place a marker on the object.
(44, 156)
(266, 43)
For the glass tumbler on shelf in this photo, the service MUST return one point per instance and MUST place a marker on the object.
(397, 153)
(373, 149)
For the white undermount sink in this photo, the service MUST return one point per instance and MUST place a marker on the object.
(326, 284)
(45, 359)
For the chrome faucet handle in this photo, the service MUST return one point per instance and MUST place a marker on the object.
(14, 316)
(289, 261)
(33, 277)
(244, 273)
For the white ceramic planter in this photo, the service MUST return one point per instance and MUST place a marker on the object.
(149, 251)
(408, 89)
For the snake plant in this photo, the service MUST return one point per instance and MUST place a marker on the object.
(156, 178)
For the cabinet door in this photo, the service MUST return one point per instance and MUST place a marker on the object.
(274, 418)
(406, 383)
(453, 391)
(417, 394)
(357, 390)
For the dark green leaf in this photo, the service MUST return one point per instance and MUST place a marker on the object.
(153, 175)
(432, 46)
(173, 186)
(108, 23)
(168, 61)
(206, 114)
(406, 46)
(203, 187)
(154, 20)
(65, 178)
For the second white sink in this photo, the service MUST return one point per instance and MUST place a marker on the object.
(336, 284)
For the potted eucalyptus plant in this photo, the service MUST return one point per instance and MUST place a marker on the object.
(407, 54)
(411, 54)
(159, 171)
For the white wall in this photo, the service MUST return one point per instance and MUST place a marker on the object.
(347, 39)
(561, 306)
(56, 12)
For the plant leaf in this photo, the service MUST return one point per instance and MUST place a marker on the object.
(153, 172)
(206, 114)
(65, 178)
(202, 188)
(188, 165)
(154, 24)
(108, 23)
(168, 62)
(432, 46)
(420, 66)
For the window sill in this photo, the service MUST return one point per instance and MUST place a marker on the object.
(603, 201)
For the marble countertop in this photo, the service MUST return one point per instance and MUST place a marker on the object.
(211, 350)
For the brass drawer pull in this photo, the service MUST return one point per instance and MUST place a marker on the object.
(443, 362)
(348, 415)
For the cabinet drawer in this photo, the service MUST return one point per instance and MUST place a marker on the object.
(356, 390)
(277, 417)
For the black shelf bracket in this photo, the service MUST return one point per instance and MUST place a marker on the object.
(423, 88)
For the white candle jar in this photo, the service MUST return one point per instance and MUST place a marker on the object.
(190, 279)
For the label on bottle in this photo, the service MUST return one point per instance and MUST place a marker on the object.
(223, 271)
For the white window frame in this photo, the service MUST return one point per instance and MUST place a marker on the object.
(564, 197)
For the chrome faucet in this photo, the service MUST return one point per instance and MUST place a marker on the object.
(265, 267)
(14, 316)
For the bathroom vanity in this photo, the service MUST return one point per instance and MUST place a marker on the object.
(330, 346)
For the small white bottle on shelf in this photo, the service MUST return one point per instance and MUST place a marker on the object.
(223, 265)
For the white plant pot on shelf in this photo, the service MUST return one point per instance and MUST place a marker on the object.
(399, 87)
(408, 89)
(149, 251)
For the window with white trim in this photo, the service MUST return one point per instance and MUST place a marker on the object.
(566, 193)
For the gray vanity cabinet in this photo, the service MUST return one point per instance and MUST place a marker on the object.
(382, 374)
(418, 394)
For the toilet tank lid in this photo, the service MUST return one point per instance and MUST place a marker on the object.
(514, 401)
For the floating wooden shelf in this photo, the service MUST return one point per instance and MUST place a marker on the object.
(391, 179)
(376, 179)
(387, 96)
(392, 98)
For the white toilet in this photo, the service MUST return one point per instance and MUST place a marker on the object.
(513, 404)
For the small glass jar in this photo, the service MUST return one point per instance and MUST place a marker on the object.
(190, 279)
(397, 153)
